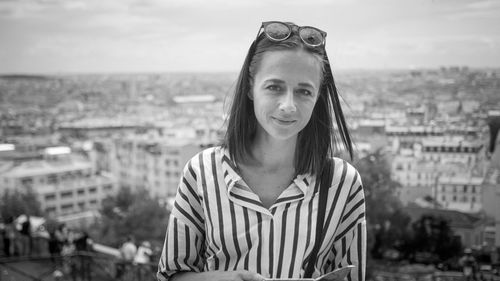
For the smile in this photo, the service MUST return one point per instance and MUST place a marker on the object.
(284, 122)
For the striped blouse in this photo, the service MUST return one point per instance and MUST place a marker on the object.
(218, 223)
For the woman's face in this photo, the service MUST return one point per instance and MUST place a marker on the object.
(284, 92)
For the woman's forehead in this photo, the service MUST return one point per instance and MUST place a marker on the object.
(289, 64)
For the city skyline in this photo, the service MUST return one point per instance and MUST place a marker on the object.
(53, 36)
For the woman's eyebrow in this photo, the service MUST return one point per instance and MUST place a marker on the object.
(274, 80)
(306, 85)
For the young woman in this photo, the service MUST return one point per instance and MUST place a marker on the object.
(247, 210)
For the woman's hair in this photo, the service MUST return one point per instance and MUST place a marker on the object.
(318, 140)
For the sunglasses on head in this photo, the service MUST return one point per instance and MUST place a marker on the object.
(279, 31)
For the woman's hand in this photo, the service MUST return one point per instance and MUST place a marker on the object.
(239, 275)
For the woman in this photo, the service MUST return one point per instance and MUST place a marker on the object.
(247, 210)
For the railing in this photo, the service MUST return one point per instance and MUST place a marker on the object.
(431, 276)
(81, 266)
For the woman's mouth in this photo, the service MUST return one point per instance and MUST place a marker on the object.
(284, 122)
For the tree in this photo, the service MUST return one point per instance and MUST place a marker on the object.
(387, 222)
(432, 240)
(131, 213)
(14, 203)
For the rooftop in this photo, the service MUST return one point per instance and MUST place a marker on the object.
(45, 167)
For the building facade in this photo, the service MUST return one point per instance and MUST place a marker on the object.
(64, 183)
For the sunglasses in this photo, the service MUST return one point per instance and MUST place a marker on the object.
(278, 31)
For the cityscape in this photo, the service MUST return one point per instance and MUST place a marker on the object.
(84, 151)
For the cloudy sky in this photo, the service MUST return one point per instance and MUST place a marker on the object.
(59, 36)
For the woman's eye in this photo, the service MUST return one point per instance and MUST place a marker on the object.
(273, 88)
(305, 92)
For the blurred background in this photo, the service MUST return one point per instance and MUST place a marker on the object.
(103, 102)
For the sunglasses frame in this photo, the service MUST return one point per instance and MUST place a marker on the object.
(291, 27)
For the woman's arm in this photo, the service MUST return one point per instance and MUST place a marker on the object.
(185, 236)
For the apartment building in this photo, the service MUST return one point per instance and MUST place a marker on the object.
(453, 149)
(416, 177)
(64, 182)
(143, 161)
(460, 192)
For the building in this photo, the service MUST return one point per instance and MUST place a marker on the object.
(453, 149)
(64, 182)
(416, 177)
(491, 184)
(148, 162)
(459, 192)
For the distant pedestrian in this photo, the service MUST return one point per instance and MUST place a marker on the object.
(128, 250)
(9, 237)
(144, 253)
(127, 254)
(143, 259)
(26, 237)
(469, 265)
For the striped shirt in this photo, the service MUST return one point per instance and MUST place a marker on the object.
(218, 223)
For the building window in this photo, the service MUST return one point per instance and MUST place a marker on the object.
(81, 205)
(50, 196)
(473, 189)
(81, 191)
(465, 189)
(27, 181)
(93, 202)
(52, 179)
(67, 207)
(50, 209)
(454, 198)
(67, 194)
(107, 187)
(92, 190)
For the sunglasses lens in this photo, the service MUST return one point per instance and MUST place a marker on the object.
(311, 36)
(277, 31)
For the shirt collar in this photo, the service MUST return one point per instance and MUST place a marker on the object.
(235, 186)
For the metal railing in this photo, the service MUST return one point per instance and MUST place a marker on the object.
(81, 266)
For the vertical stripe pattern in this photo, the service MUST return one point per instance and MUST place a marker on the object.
(218, 223)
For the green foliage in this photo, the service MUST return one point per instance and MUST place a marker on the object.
(432, 237)
(387, 222)
(14, 203)
(380, 189)
(131, 213)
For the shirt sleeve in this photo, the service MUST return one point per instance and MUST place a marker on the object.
(350, 237)
(184, 239)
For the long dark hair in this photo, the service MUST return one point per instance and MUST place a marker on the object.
(318, 140)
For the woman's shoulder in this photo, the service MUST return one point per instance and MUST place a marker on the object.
(342, 166)
(340, 163)
(206, 154)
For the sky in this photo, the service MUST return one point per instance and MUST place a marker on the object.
(129, 36)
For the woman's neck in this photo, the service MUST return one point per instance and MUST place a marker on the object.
(272, 155)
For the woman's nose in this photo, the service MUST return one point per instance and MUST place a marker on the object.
(287, 102)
